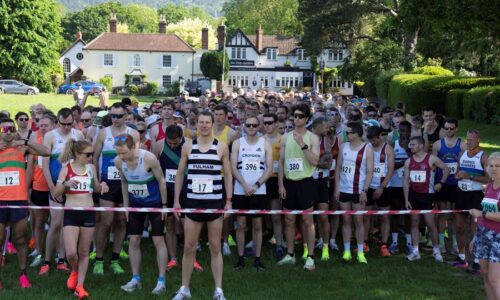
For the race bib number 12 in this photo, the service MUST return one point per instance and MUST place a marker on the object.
(9, 178)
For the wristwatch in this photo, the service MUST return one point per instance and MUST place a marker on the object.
(257, 183)
(305, 147)
(484, 214)
(26, 142)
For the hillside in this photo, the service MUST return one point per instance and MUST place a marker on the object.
(213, 7)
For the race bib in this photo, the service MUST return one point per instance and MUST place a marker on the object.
(490, 205)
(138, 190)
(10, 178)
(334, 165)
(276, 166)
(453, 166)
(83, 184)
(202, 185)
(400, 172)
(348, 168)
(379, 170)
(295, 165)
(250, 164)
(465, 185)
(113, 173)
(418, 176)
(170, 175)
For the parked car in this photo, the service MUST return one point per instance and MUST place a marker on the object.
(196, 88)
(17, 87)
(88, 86)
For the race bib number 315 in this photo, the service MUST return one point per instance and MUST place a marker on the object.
(83, 184)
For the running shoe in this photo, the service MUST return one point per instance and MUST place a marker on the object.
(240, 265)
(62, 267)
(305, 253)
(347, 255)
(309, 265)
(409, 249)
(24, 282)
(98, 268)
(413, 256)
(92, 255)
(32, 243)
(280, 252)
(287, 260)
(11, 249)
(230, 241)
(219, 295)
(44, 270)
(116, 268)
(325, 255)
(366, 248)
(249, 245)
(333, 245)
(171, 264)
(81, 293)
(384, 252)
(459, 263)
(437, 256)
(475, 269)
(145, 234)
(197, 266)
(123, 254)
(33, 253)
(226, 251)
(361, 258)
(393, 248)
(272, 241)
(319, 244)
(182, 293)
(72, 281)
(132, 286)
(37, 261)
(442, 248)
(159, 289)
(259, 266)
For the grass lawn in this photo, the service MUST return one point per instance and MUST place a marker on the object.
(382, 278)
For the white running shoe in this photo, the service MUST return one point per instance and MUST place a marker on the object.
(226, 251)
(333, 245)
(415, 255)
(437, 256)
(37, 261)
(159, 289)
(319, 244)
(131, 286)
(182, 293)
(219, 295)
(249, 245)
(33, 253)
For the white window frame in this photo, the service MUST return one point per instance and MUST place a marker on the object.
(66, 65)
(335, 55)
(264, 81)
(164, 61)
(272, 53)
(136, 60)
(108, 60)
(301, 54)
(166, 81)
(238, 53)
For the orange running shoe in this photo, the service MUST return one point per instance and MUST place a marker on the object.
(384, 251)
(197, 266)
(32, 243)
(24, 282)
(44, 270)
(63, 268)
(172, 264)
(72, 281)
(11, 249)
(81, 293)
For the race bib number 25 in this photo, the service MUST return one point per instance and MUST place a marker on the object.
(113, 173)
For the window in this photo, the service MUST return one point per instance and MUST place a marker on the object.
(289, 81)
(301, 54)
(264, 82)
(271, 53)
(79, 56)
(238, 53)
(337, 83)
(238, 81)
(108, 59)
(335, 55)
(137, 60)
(167, 61)
(166, 81)
(66, 65)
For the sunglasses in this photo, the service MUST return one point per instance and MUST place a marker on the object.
(88, 154)
(268, 123)
(229, 118)
(6, 129)
(251, 125)
(141, 131)
(299, 116)
(66, 124)
(121, 138)
(37, 119)
(450, 128)
(85, 120)
(117, 116)
(23, 119)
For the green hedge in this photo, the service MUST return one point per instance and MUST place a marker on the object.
(455, 103)
(433, 70)
(482, 104)
(417, 90)
(382, 84)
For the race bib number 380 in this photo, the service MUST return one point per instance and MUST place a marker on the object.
(295, 165)
(9, 178)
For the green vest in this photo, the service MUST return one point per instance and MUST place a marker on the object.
(297, 166)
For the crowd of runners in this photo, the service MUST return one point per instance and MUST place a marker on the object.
(255, 150)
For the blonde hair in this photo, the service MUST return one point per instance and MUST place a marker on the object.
(493, 156)
(71, 148)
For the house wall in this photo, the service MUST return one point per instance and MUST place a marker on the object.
(71, 55)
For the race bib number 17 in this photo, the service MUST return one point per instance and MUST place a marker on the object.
(202, 185)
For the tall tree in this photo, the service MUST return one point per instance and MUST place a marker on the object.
(175, 13)
(190, 31)
(30, 33)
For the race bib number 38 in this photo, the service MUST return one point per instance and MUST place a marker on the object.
(202, 185)
(170, 175)
(418, 176)
(9, 178)
(295, 165)
(113, 173)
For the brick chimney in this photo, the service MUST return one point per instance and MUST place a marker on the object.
(259, 36)
(112, 23)
(204, 38)
(162, 25)
(78, 35)
(221, 35)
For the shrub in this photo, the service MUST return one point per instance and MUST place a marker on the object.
(174, 89)
(455, 103)
(382, 84)
(133, 89)
(432, 70)
(107, 82)
(151, 89)
(482, 104)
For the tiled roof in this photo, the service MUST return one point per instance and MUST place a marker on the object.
(285, 44)
(151, 42)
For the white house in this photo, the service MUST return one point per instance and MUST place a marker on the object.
(275, 62)
(71, 59)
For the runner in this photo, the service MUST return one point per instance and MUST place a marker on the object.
(487, 238)
(55, 140)
(142, 186)
(299, 155)
(78, 180)
(335, 141)
(448, 149)
(104, 155)
(251, 165)
(14, 190)
(353, 176)
(204, 158)
(378, 194)
(157, 133)
(432, 130)
(22, 125)
(419, 189)
(471, 176)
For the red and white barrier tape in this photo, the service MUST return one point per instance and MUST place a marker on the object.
(246, 211)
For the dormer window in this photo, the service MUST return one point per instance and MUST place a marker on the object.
(301, 54)
(271, 53)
